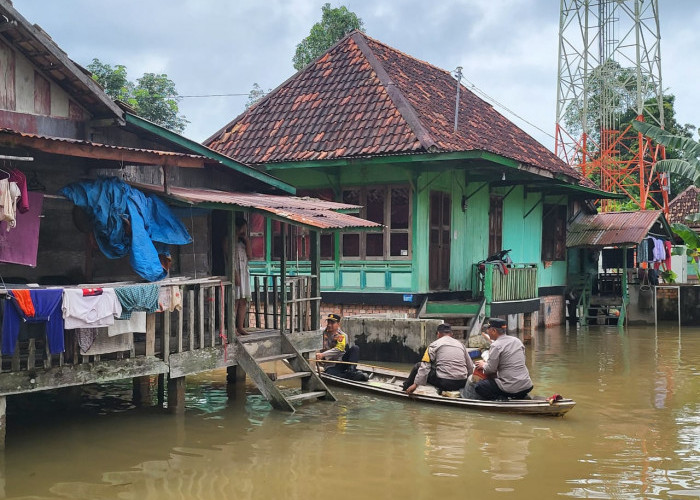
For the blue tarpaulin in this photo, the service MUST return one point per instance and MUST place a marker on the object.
(128, 222)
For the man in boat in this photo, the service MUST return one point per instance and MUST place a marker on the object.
(336, 347)
(507, 375)
(445, 364)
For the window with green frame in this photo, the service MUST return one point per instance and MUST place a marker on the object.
(388, 205)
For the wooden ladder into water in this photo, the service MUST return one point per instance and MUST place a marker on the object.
(312, 387)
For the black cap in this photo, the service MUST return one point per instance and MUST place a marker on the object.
(444, 328)
(333, 317)
(497, 323)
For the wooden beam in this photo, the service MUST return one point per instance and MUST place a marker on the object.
(100, 152)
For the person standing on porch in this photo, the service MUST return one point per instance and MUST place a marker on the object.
(242, 254)
(506, 371)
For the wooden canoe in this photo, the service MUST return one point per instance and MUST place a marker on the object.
(389, 382)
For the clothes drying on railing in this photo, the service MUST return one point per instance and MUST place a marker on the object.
(36, 306)
(90, 311)
(137, 298)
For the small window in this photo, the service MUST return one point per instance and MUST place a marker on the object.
(554, 232)
(256, 228)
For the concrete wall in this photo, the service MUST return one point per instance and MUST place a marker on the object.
(552, 311)
(390, 339)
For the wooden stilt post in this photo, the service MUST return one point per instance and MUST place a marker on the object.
(235, 374)
(142, 394)
(283, 279)
(3, 421)
(176, 395)
(315, 242)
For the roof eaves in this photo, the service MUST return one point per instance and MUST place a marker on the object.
(208, 153)
(51, 46)
(402, 104)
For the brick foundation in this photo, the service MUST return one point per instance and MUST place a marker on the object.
(552, 310)
(353, 309)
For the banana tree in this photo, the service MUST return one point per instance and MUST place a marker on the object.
(688, 166)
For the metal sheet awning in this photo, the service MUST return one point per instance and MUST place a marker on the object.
(311, 212)
(615, 229)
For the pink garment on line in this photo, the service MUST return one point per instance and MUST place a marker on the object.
(20, 245)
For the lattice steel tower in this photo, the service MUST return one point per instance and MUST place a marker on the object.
(610, 73)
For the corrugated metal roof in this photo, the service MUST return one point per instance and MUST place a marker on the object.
(35, 141)
(312, 212)
(611, 228)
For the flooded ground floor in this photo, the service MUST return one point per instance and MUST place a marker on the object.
(635, 433)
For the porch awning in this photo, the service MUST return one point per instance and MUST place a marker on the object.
(311, 212)
(616, 229)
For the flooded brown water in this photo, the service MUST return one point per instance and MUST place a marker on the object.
(635, 433)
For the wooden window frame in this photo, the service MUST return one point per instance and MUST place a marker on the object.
(387, 231)
(554, 250)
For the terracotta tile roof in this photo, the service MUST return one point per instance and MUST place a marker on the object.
(363, 98)
(684, 204)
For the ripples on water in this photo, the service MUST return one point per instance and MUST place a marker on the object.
(635, 433)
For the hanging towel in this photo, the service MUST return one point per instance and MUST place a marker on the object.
(92, 311)
(169, 299)
(18, 177)
(95, 341)
(47, 307)
(137, 324)
(20, 245)
(9, 192)
(137, 298)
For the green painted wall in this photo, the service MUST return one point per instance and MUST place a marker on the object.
(475, 238)
(470, 228)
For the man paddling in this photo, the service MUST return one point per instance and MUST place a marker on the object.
(508, 375)
(446, 364)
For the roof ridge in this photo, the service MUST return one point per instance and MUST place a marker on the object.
(682, 193)
(402, 104)
(274, 91)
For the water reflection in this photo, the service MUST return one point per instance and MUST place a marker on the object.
(635, 433)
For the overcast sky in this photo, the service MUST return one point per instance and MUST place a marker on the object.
(508, 48)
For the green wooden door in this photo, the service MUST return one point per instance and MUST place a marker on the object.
(440, 230)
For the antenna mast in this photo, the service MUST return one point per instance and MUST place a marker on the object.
(609, 73)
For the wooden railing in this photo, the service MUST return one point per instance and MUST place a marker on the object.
(496, 286)
(292, 305)
(202, 322)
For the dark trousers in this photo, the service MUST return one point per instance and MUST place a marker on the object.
(443, 384)
(488, 389)
(352, 355)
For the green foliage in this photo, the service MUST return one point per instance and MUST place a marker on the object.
(687, 151)
(691, 239)
(153, 96)
(335, 24)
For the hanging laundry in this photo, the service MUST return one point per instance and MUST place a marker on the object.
(47, 308)
(169, 299)
(642, 252)
(136, 324)
(137, 298)
(669, 251)
(659, 250)
(94, 341)
(20, 246)
(128, 222)
(18, 177)
(91, 311)
(9, 192)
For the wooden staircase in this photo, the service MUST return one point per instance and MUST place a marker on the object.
(275, 346)
(464, 316)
